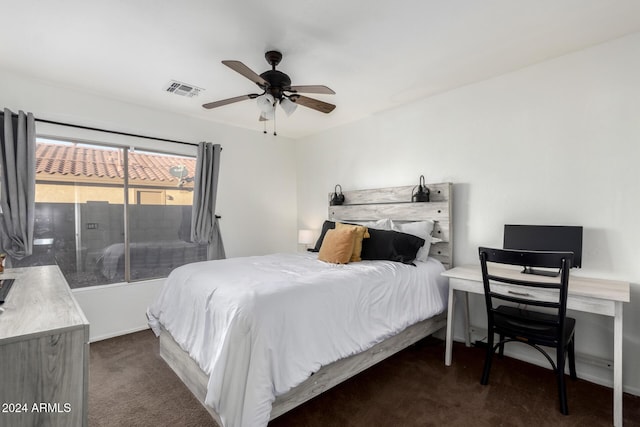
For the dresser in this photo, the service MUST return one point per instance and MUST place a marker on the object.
(44, 351)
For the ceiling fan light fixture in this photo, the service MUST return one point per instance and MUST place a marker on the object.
(288, 106)
(268, 115)
(266, 103)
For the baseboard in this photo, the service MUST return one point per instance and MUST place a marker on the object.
(118, 334)
(589, 368)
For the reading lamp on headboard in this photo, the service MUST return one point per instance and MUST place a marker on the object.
(420, 192)
(337, 199)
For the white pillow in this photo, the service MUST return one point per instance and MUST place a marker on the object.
(381, 224)
(421, 229)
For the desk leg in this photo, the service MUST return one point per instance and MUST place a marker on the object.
(617, 365)
(450, 321)
(467, 327)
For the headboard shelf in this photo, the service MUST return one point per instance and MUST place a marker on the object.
(439, 193)
(395, 203)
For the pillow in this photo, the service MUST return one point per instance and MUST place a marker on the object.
(337, 245)
(422, 229)
(391, 245)
(381, 224)
(328, 225)
(361, 233)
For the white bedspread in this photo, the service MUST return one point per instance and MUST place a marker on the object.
(259, 326)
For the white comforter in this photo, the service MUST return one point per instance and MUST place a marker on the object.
(259, 326)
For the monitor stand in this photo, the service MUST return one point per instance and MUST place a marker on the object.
(529, 270)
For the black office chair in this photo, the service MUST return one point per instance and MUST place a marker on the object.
(517, 323)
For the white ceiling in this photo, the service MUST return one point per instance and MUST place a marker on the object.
(375, 54)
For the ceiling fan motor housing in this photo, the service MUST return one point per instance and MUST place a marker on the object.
(277, 81)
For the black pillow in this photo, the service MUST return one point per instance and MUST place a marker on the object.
(328, 225)
(391, 245)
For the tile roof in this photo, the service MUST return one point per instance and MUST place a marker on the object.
(84, 161)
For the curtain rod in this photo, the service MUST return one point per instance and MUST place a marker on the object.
(105, 130)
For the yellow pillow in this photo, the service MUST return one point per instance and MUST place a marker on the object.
(337, 246)
(361, 233)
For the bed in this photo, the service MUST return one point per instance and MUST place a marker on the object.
(281, 337)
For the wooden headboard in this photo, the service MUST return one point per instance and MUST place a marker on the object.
(395, 203)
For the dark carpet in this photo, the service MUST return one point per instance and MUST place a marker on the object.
(130, 385)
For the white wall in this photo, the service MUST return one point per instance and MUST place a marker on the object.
(554, 143)
(256, 193)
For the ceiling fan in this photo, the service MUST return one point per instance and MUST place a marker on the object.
(276, 87)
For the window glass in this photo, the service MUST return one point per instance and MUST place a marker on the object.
(80, 213)
(160, 195)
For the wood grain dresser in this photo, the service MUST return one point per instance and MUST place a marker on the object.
(44, 351)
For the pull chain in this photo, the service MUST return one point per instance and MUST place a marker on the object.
(274, 122)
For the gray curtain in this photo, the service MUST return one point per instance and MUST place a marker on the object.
(204, 223)
(18, 184)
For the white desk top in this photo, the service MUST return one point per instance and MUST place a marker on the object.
(613, 290)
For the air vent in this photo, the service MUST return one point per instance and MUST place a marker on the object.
(183, 89)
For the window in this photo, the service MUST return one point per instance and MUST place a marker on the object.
(111, 214)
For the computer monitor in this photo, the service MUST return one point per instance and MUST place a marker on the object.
(562, 238)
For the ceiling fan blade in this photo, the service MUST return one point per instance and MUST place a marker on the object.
(323, 107)
(311, 89)
(230, 100)
(239, 67)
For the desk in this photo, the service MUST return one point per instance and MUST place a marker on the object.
(598, 296)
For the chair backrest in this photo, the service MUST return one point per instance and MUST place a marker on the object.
(541, 291)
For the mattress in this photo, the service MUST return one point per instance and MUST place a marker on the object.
(258, 326)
